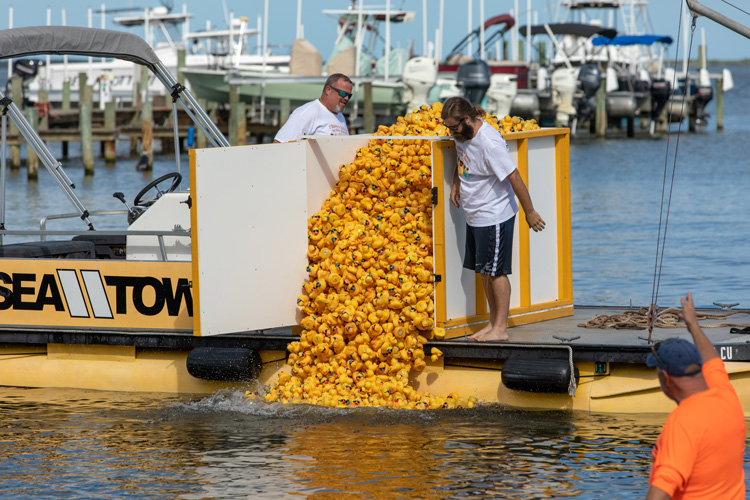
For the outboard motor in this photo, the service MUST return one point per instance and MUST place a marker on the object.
(660, 92)
(500, 95)
(564, 82)
(27, 69)
(589, 81)
(419, 76)
(703, 96)
(473, 78)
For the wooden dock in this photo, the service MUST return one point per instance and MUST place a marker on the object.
(142, 123)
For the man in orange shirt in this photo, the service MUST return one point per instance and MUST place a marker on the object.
(699, 453)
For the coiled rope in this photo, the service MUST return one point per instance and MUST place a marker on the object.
(666, 318)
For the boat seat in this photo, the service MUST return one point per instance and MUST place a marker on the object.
(106, 246)
(49, 250)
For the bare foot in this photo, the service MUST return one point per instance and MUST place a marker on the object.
(494, 335)
(480, 333)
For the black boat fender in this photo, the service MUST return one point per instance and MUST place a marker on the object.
(224, 363)
(538, 375)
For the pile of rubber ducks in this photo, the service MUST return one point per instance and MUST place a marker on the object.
(368, 303)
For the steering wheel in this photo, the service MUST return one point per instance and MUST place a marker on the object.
(177, 178)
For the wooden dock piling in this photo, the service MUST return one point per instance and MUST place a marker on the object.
(85, 104)
(147, 120)
(237, 118)
(32, 160)
(284, 112)
(15, 150)
(600, 126)
(368, 111)
(200, 137)
(109, 150)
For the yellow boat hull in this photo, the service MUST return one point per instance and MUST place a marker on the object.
(624, 388)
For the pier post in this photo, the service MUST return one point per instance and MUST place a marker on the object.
(284, 113)
(147, 133)
(241, 124)
(43, 100)
(521, 53)
(232, 125)
(17, 94)
(542, 54)
(110, 125)
(65, 104)
(237, 118)
(367, 111)
(32, 160)
(181, 58)
(720, 104)
(662, 124)
(601, 110)
(85, 109)
(200, 137)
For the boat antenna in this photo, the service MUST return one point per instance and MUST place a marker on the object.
(662, 239)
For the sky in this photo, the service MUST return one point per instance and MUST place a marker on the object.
(321, 29)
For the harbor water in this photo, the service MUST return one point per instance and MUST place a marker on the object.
(88, 444)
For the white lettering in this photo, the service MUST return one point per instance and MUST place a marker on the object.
(73, 295)
(97, 296)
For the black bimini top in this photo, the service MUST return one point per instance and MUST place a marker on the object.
(72, 40)
(576, 29)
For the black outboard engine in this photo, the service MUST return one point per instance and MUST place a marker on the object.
(589, 81)
(473, 78)
(27, 69)
(660, 92)
(702, 97)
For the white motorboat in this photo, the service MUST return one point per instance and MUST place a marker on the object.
(168, 34)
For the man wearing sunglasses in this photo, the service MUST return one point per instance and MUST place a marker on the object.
(321, 116)
(487, 183)
(699, 453)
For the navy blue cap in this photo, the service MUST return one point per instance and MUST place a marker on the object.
(674, 356)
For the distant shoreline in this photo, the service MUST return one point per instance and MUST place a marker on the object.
(716, 62)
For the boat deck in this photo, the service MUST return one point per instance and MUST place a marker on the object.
(562, 335)
(627, 345)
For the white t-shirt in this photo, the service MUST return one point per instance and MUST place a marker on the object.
(312, 118)
(484, 165)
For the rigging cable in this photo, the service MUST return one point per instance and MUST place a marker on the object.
(661, 238)
(732, 5)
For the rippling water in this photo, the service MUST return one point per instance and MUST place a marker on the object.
(616, 188)
(83, 444)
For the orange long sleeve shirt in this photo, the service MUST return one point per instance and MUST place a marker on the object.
(699, 453)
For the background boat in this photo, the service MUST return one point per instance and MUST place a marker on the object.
(168, 33)
(359, 40)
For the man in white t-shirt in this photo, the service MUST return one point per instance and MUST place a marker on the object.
(321, 116)
(487, 183)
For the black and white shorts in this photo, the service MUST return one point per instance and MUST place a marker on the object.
(489, 250)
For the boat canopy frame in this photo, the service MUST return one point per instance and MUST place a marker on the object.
(71, 40)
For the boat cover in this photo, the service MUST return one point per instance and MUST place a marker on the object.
(576, 29)
(632, 40)
(73, 40)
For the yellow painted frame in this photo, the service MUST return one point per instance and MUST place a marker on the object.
(194, 247)
(527, 312)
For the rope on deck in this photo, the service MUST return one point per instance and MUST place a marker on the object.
(666, 318)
